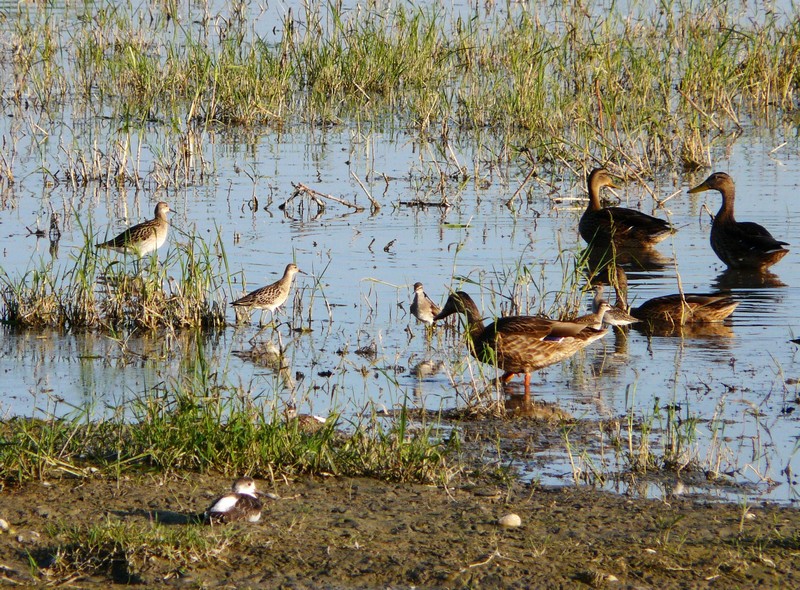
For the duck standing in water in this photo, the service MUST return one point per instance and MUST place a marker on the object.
(241, 503)
(624, 228)
(521, 344)
(739, 244)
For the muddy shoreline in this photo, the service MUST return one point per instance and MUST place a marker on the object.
(364, 533)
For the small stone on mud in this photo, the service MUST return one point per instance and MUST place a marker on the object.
(4, 526)
(510, 521)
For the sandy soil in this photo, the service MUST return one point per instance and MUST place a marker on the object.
(362, 533)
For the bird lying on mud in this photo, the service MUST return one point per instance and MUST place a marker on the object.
(241, 503)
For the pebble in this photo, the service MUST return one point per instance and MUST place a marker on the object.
(510, 521)
(4, 526)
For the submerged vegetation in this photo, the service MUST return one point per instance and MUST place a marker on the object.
(648, 86)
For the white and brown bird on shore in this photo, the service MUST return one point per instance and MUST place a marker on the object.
(144, 238)
(272, 296)
(615, 315)
(241, 503)
(422, 307)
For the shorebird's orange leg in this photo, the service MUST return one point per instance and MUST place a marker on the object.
(527, 385)
(507, 377)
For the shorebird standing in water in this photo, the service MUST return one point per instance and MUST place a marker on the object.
(422, 307)
(272, 296)
(241, 503)
(144, 238)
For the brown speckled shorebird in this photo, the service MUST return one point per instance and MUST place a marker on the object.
(615, 316)
(627, 228)
(739, 244)
(143, 238)
(519, 344)
(272, 296)
(241, 503)
(598, 317)
(422, 307)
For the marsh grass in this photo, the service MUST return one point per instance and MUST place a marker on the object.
(122, 549)
(644, 86)
(102, 291)
(201, 423)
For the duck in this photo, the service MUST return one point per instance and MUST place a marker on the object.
(677, 308)
(422, 307)
(739, 244)
(240, 504)
(144, 238)
(685, 309)
(519, 344)
(624, 228)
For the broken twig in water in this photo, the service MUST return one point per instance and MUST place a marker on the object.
(376, 206)
(316, 196)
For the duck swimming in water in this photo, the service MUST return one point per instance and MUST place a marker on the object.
(739, 244)
(622, 227)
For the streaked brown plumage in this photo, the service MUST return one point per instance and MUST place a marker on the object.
(598, 316)
(615, 316)
(519, 344)
(627, 228)
(272, 296)
(241, 503)
(422, 307)
(143, 238)
(689, 308)
(739, 244)
(677, 308)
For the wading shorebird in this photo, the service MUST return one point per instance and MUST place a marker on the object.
(143, 238)
(272, 296)
(520, 344)
(241, 503)
(422, 307)
(739, 244)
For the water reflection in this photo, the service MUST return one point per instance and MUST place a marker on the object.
(730, 279)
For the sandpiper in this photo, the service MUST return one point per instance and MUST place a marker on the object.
(422, 307)
(272, 296)
(615, 315)
(241, 503)
(307, 423)
(143, 238)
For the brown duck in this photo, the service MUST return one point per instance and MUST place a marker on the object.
(678, 308)
(739, 244)
(520, 344)
(626, 228)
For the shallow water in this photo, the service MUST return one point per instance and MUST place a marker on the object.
(736, 379)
